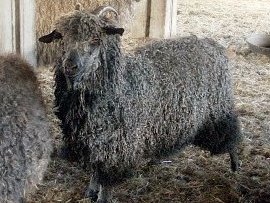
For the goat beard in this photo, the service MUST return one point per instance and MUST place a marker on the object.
(89, 67)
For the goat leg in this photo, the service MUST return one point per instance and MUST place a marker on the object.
(104, 195)
(93, 188)
(234, 160)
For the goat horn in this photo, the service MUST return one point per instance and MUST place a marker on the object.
(106, 9)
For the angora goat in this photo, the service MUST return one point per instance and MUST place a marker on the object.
(118, 110)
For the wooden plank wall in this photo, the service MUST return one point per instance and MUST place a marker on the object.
(17, 28)
(28, 30)
(152, 18)
(138, 26)
(7, 26)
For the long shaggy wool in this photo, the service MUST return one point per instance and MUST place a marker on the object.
(24, 137)
(120, 110)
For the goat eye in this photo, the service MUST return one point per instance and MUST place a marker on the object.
(95, 41)
(74, 67)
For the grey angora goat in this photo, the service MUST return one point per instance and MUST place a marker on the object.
(24, 136)
(118, 111)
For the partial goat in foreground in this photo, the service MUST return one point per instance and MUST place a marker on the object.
(120, 110)
(24, 132)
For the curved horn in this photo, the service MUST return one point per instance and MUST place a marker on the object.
(103, 10)
(78, 7)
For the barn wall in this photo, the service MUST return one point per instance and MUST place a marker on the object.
(163, 18)
(17, 28)
(27, 30)
(7, 29)
(140, 18)
(22, 22)
(137, 28)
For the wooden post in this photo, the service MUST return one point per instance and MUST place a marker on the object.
(163, 18)
(17, 28)
(154, 19)
(139, 24)
(7, 26)
(28, 31)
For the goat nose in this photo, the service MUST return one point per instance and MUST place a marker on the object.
(74, 67)
(70, 69)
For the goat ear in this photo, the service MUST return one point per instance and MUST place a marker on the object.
(113, 30)
(50, 37)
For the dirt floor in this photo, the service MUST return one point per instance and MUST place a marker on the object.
(192, 175)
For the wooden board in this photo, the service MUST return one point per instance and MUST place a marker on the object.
(163, 18)
(7, 26)
(17, 28)
(28, 30)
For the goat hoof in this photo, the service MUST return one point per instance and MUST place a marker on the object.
(235, 165)
(92, 194)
